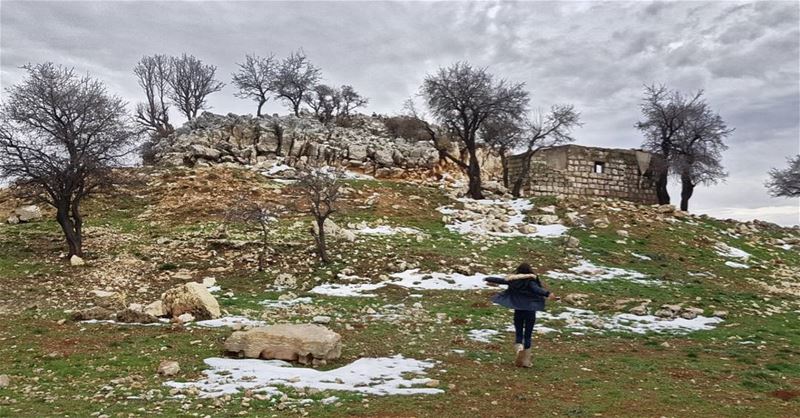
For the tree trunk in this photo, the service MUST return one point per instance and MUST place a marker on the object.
(504, 165)
(296, 106)
(474, 174)
(67, 226)
(523, 174)
(662, 194)
(260, 105)
(687, 189)
(322, 249)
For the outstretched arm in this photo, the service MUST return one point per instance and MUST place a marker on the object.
(495, 280)
(536, 289)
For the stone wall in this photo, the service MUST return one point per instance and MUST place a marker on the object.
(570, 171)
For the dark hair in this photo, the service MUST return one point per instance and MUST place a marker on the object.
(524, 268)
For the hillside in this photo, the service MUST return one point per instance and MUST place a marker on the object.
(661, 314)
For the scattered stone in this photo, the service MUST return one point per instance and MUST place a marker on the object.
(623, 233)
(192, 298)
(601, 223)
(691, 313)
(109, 300)
(187, 317)
(304, 343)
(76, 261)
(4, 380)
(433, 383)
(573, 242)
(321, 319)
(576, 298)
(640, 310)
(721, 314)
(168, 368)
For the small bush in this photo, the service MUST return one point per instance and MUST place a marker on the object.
(407, 127)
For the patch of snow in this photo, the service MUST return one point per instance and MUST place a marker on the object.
(726, 250)
(347, 289)
(161, 321)
(586, 271)
(410, 279)
(277, 168)
(284, 181)
(585, 320)
(641, 257)
(230, 321)
(786, 246)
(413, 279)
(482, 335)
(374, 376)
(735, 265)
(212, 289)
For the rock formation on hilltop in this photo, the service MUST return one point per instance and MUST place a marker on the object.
(261, 141)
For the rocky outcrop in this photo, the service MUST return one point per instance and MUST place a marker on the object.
(247, 140)
(24, 214)
(304, 343)
(192, 298)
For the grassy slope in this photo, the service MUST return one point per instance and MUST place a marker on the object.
(78, 369)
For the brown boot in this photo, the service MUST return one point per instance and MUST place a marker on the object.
(519, 361)
(526, 358)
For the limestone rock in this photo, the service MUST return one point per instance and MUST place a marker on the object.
(76, 261)
(601, 223)
(576, 298)
(544, 219)
(109, 300)
(24, 214)
(168, 368)
(4, 380)
(691, 313)
(623, 233)
(130, 316)
(720, 314)
(639, 310)
(334, 231)
(155, 308)
(304, 343)
(573, 242)
(191, 298)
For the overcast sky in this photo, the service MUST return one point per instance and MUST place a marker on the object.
(597, 56)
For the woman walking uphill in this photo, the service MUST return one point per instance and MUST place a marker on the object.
(525, 295)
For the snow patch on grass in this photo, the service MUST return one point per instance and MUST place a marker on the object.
(482, 335)
(586, 320)
(230, 321)
(374, 376)
(727, 251)
(410, 279)
(735, 265)
(586, 271)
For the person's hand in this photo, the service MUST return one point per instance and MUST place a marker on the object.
(552, 296)
(493, 284)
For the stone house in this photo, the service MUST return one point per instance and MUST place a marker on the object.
(579, 171)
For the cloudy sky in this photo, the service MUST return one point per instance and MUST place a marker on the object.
(597, 56)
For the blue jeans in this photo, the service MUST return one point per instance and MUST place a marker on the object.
(523, 325)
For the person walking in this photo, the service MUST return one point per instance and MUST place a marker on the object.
(525, 295)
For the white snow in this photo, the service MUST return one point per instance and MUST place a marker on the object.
(586, 271)
(347, 289)
(230, 321)
(735, 265)
(374, 376)
(277, 168)
(515, 210)
(582, 319)
(726, 250)
(641, 257)
(482, 335)
(410, 279)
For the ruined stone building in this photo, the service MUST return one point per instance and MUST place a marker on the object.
(579, 171)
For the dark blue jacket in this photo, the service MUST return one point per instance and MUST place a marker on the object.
(522, 294)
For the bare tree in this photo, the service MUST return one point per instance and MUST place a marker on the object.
(325, 101)
(60, 136)
(786, 182)
(153, 74)
(191, 83)
(545, 131)
(255, 79)
(462, 98)
(665, 113)
(350, 100)
(502, 136)
(321, 188)
(255, 214)
(294, 77)
(697, 155)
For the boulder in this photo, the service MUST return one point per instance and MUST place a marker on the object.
(691, 313)
(130, 316)
(576, 298)
(639, 310)
(110, 300)
(94, 313)
(721, 314)
(4, 380)
(623, 233)
(191, 298)
(545, 219)
(168, 368)
(304, 343)
(526, 229)
(573, 242)
(76, 261)
(25, 214)
(335, 231)
(156, 309)
(601, 222)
